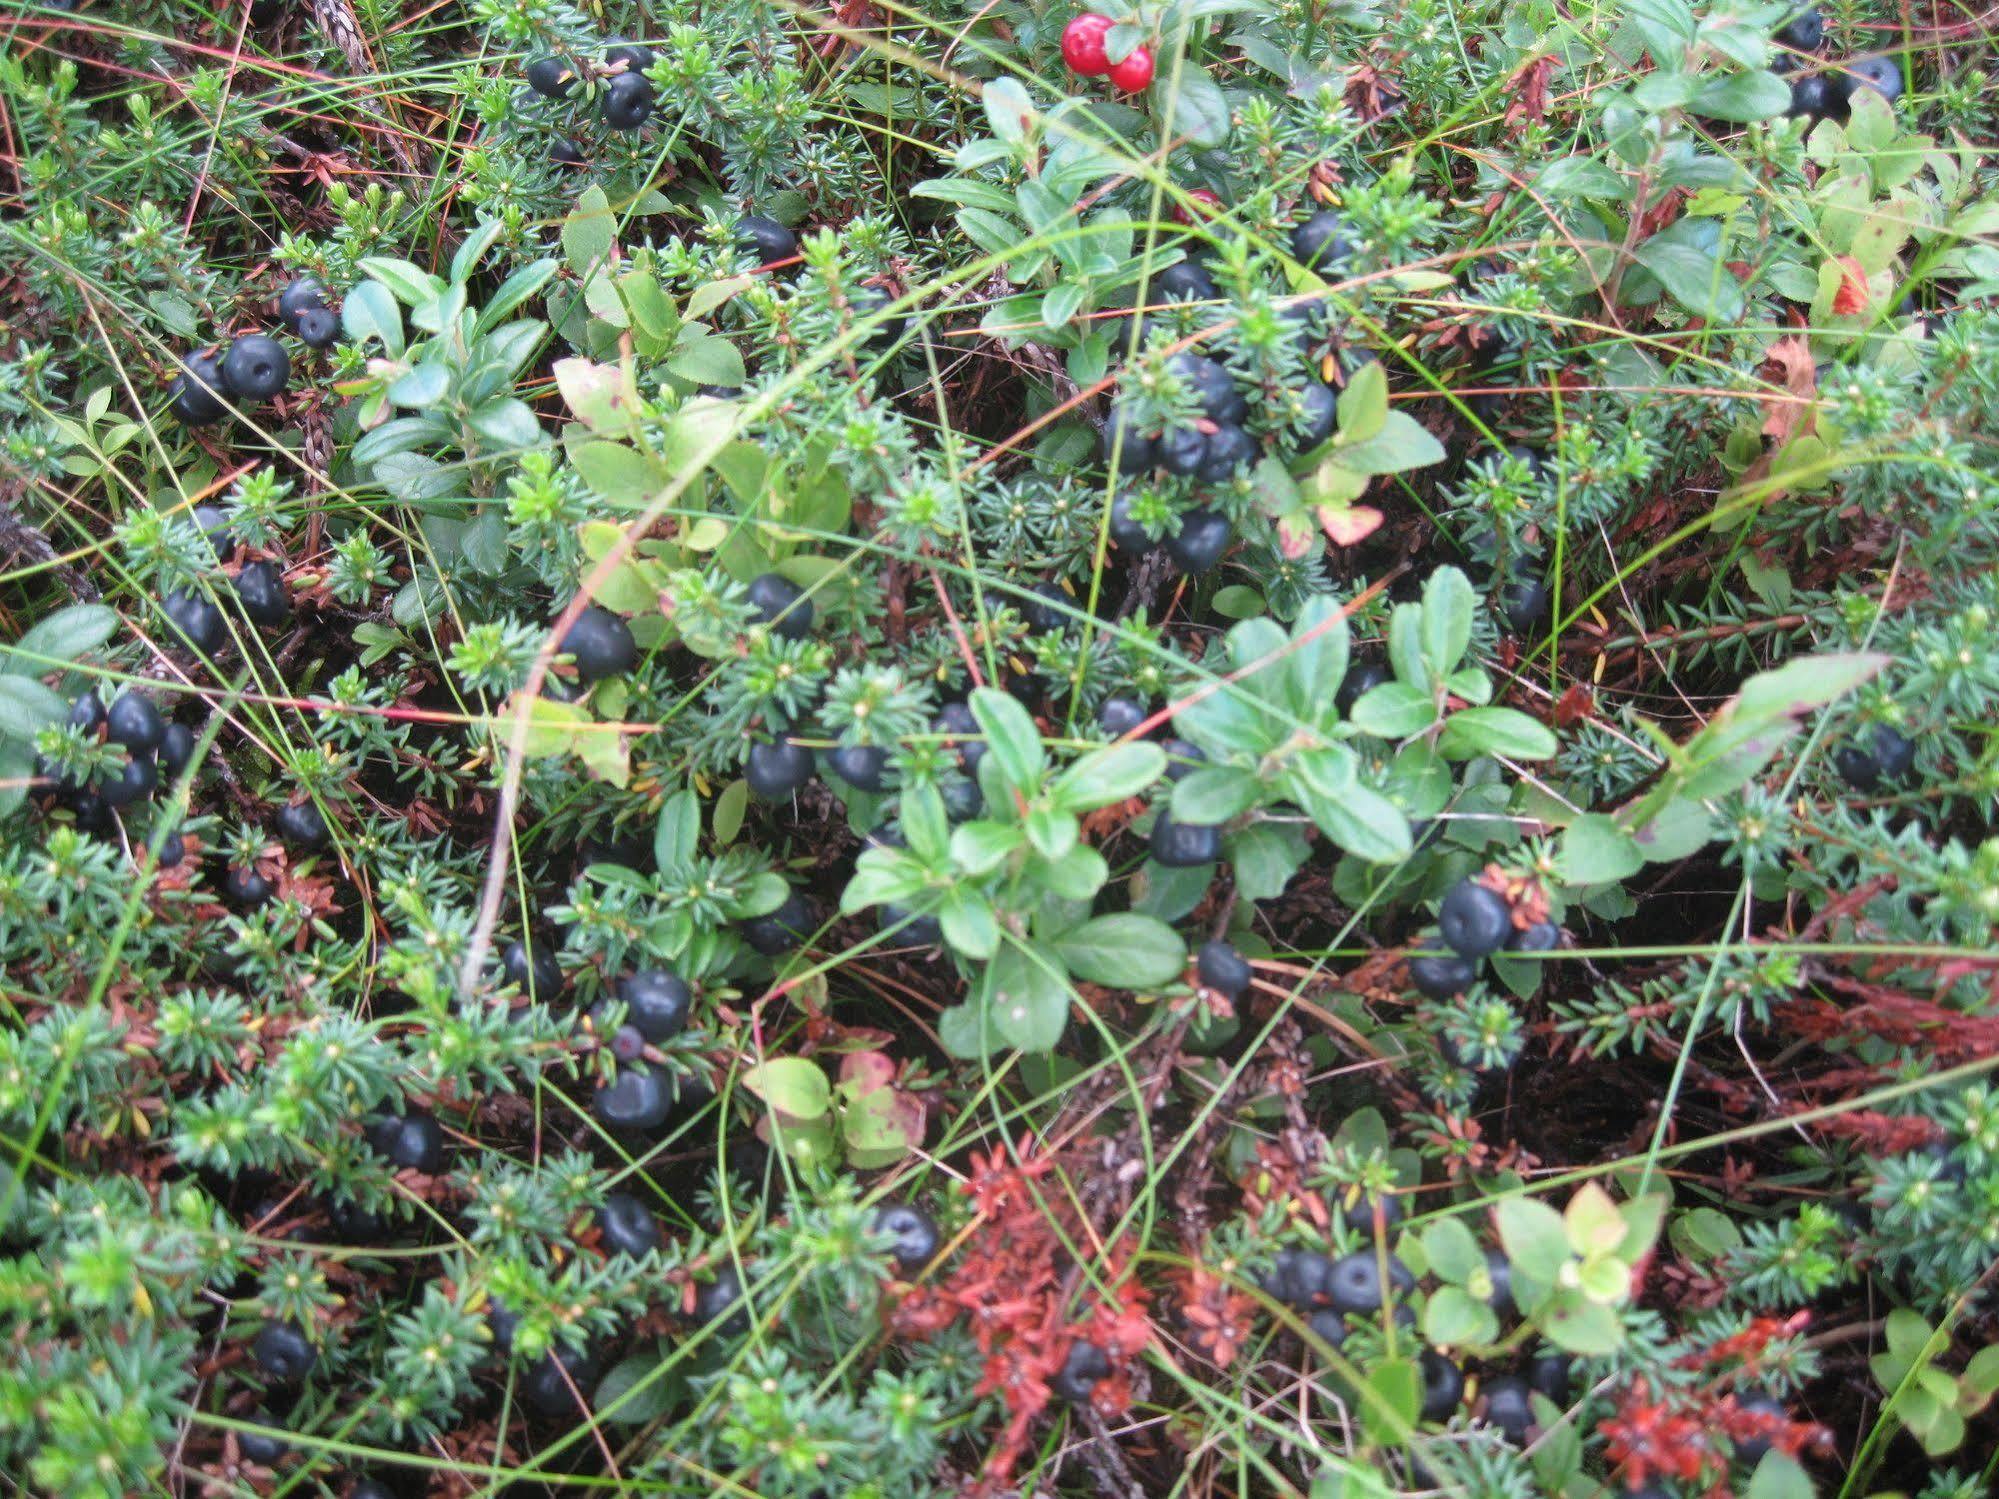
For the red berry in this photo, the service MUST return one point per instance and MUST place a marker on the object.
(1135, 72)
(1083, 44)
(1206, 206)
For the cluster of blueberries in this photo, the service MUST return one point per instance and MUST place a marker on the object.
(259, 587)
(1474, 921)
(1213, 448)
(1826, 93)
(255, 366)
(627, 100)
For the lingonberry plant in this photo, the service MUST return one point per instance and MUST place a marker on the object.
(1202, 747)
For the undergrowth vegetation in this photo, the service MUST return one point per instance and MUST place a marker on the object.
(1230, 747)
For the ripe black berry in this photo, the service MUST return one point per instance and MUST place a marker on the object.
(1083, 1366)
(409, 1142)
(1182, 450)
(256, 367)
(635, 57)
(962, 799)
(371, 1488)
(197, 391)
(1182, 758)
(869, 302)
(1813, 96)
(214, 526)
(137, 778)
(1863, 73)
(1362, 677)
(246, 887)
(1320, 243)
(318, 328)
(639, 1098)
(766, 239)
(775, 771)
(300, 824)
(261, 588)
(1045, 608)
(1184, 845)
(173, 848)
(1804, 32)
(910, 930)
(134, 722)
(567, 153)
(1328, 1325)
(1499, 1270)
(176, 749)
(1213, 386)
(627, 1226)
(628, 102)
(550, 77)
(1127, 535)
(782, 605)
(537, 975)
(1184, 281)
(1474, 920)
(1353, 1283)
(1229, 449)
(657, 1002)
(302, 293)
(87, 713)
(628, 1042)
(859, 765)
(558, 1387)
(283, 1352)
(914, 1238)
(720, 1302)
(1199, 543)
(1552, 1373)
(1222, 968)
(1319, 414)
(783, 930)
(1507, 1406)
(601, 644)
(1542, 936)
(1441, 975)
(1119, 716)
(957, 720)
(1134, 452)
(1298, 1278)
(263, 1446)
(1522, 603)
(1443, 1386)
(1749, 1451)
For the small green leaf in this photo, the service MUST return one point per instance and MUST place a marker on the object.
(1596, 851)
(1107, 775)
(1495, 731)
(1027, 997)
(1123, 951)
(1363, 405)
(64, 636)
(1534, 1237)
(1012, 741)
(1448, 607)
(1454, 1318)
(793, 1086)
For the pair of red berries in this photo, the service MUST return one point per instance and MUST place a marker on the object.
(1083, 50)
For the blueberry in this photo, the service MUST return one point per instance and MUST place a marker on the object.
(1552, 1373)
(1298, 1278)
(1320, 243)
(958, 721)
(962, 799)
(256, 367)
(1328, 1325)
(784, 930)
(639, 1098)
(1353, 1282)
(1749, 1451)
(1443, 1386)
(1804, 32)
(1474, 920)
(775, 771)
(1318, 416)
(261, 588)
(246, 887)
(409, 1142)
(1182, 758)
(1127, 535)
(1368, 1213)
(628, 102)
(1134, 452)
(371, 1488)
(782, 605)
(1362, 677)
(1182, 450)
(1506, 1405)
(1542, 936)
(1857, 767)
(537, 975)
(264, 1446)
(766, 239)
(627, 1226)
(300, 294)
(214, 527)
(550, 77)
(1183, 281)
(859, 765)
(657, 1002)
(1441, 975)
(601, 644)
(89, 812)
(134, 722)
(910, 930)
(87, 714)
(1894, 752)
(1184, 845)
(635, 57)
(1522, 604)
(1213, 386)
(1222, 968)
(301, 825)
(1499, 1270)
(558, 1386)
(197, 391)
(720, 1303)
(1119, 716)
(913, 1234)
(1861, 73)
(1082, 1367)
(1045, 608)
(567, 153)
(868, 303)
(137, 778)
(317, 328)
(1229, 449)
(283, 1352)
(173, 848)
(1199, 543)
